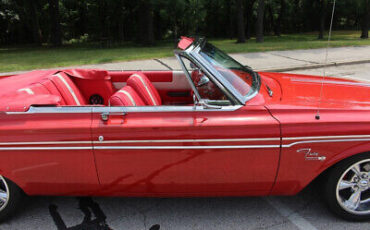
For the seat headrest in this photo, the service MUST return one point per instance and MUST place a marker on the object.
(142, 85)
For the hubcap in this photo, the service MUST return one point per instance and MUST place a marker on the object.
(4, 193)
(353, 188)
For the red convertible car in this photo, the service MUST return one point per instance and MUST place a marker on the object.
(216, 128)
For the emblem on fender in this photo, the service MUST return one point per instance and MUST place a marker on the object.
(311, 156)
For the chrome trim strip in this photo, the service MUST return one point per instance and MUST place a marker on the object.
(324, 141)
(139, 141)
(46, 143)
(331, 82)
(176, 147)
(126, 109)
(159, 109)
(139, 147)
(325, 137)
(189, 147)
(190, 140)
(45, 148)
(187, 75)
(48, 110)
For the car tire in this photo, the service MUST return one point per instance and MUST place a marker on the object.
(10, 198)
(347, 187)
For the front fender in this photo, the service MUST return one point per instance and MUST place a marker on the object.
(296, 172)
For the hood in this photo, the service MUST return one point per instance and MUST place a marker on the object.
(304, 90)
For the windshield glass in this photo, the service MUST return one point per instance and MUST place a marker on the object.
(240, 77)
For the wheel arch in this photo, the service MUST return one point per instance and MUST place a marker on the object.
(13, 179)
(359, 149)
(337, 159)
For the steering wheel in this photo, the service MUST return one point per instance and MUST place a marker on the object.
(206, 88)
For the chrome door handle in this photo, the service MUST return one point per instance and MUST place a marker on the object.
(105, 115)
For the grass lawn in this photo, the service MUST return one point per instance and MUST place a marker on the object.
(28, 58)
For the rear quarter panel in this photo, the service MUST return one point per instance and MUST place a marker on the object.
(52, 168)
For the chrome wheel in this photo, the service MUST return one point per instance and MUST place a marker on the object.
(4, 193)
(353, 188)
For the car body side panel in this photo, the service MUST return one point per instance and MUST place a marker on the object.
(195, 168)
(35, 154)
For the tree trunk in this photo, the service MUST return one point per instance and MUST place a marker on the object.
(249, 12)
(146, 31)
(365, 20)
(83, 22)
(322, 19)
(231, 22)
(55, 30)
(36, 31)
(260, 16)
(105, 34)
(280, 18)
(121, 34)
(150, 27)
(241, 32)
(272, 21)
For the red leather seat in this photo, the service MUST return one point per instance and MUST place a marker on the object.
(127, 96)
(142, 85)
(67, 89)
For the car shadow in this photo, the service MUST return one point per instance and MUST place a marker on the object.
(111, 213)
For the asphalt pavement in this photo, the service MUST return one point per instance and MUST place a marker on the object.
(303, 211)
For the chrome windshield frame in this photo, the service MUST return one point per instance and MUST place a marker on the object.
(229, 94)
(193, 53)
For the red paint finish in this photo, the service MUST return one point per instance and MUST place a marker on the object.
(344, 111)
(89, 88)
(48, 172)
(187, 171)
(281, 127)
(295, 171)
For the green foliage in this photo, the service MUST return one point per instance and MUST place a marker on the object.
(144, 21)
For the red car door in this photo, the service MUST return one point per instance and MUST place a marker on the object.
(48, 151)
(179, 151)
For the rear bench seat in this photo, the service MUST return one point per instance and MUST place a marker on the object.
(67, 89)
